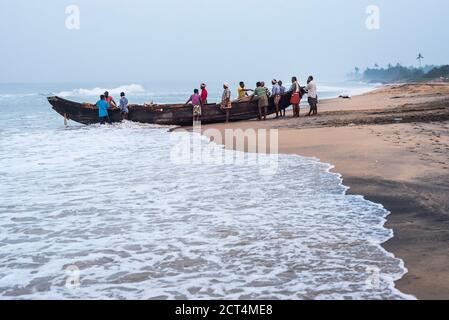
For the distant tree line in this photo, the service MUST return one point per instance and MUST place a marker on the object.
(399, 73)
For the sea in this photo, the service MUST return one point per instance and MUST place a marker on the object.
(106, 212)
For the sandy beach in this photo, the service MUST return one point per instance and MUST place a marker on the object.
(392, 146)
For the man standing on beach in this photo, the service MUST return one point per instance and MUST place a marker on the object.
(103, 107)
(313, 97)
(295, 100)
(260, 95)
(276, 93)
(226, 103)
(282, 91)
(262, 83)
(204, 94)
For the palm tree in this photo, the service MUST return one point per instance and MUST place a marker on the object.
(420, 58)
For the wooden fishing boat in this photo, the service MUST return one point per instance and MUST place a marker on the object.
(164, 114)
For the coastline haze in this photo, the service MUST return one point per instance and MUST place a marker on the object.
(137, 41)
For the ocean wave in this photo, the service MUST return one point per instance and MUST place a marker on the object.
(347, 89)
(325, 88)
(7, 96)
(82, 92)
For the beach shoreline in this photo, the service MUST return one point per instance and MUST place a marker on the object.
(390, 145)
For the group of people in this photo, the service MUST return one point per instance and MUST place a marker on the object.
(106, 102)
(261, 94)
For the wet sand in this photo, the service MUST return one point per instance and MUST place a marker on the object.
(392, 146)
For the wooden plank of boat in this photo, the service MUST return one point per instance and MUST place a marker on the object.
(167, 114)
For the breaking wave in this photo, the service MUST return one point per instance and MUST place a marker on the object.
(129, 89)
(335, 91)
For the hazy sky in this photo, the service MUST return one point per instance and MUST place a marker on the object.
(146, 40)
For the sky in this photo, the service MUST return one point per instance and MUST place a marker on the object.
(178, 40)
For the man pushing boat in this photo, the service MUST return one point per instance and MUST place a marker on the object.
(103, 107)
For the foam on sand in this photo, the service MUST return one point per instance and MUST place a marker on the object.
(110, 202)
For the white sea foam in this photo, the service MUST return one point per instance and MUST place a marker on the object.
(335, 91)
(129, 89)
(12, 96)
(109, 201)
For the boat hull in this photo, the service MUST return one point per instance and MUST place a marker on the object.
(169, 114)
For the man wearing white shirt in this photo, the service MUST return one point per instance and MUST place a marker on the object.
(313, 97)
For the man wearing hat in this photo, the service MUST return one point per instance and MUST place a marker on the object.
(226, 104)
